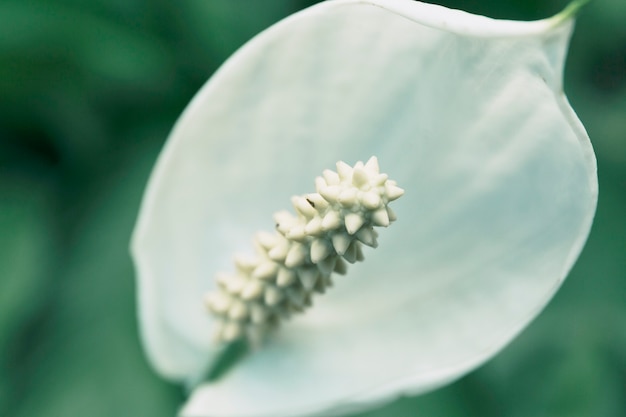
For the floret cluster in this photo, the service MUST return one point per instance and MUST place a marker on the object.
(297, 260)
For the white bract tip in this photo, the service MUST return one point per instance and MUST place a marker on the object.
(329, 225)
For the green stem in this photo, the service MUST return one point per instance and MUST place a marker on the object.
(571, 10)
(230, 355)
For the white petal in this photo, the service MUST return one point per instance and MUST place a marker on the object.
(465, 112)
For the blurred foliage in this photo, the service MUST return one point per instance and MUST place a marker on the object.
(88, 93)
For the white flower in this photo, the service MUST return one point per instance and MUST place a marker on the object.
(465, 112)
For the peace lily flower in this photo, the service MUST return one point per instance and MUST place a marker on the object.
(467, 113)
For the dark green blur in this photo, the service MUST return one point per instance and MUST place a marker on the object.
(88, 93)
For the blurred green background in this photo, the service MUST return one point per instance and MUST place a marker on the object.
(88, 93)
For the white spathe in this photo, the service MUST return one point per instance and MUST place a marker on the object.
(465, 112)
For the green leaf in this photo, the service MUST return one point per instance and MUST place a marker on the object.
(88, 360)
(28, 248)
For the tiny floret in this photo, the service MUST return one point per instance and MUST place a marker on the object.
(297, 260)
